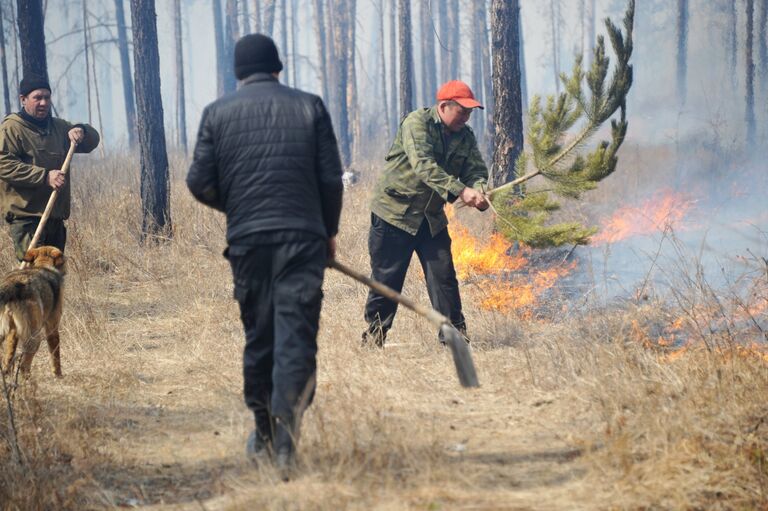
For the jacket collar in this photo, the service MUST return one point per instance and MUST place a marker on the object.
(259, 77)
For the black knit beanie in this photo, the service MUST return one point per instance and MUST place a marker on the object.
(256, 53)
(32, 82)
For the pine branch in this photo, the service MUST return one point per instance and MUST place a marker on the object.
(557, 157)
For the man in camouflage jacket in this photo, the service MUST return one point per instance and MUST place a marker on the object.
(433, 160)
(33, 147)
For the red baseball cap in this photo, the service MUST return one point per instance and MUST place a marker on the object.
(459, 92)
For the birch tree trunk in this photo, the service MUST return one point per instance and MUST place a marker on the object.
(4, 63)
(682, 50)
(181, 109)
(508, 114)
(125, 67)
(155, 184)
(406, 62)
(32, 37)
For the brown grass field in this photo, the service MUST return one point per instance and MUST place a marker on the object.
(577, 410)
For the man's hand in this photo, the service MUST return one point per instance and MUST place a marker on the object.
(331, 248)
(56, 179)
(76, 135)
(472, 197)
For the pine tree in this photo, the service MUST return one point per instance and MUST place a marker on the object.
(555, 154)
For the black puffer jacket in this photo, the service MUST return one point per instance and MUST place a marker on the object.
(267, 156)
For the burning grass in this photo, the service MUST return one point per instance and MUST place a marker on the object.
(620, 407)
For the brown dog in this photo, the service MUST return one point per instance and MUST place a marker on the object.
(30, 307)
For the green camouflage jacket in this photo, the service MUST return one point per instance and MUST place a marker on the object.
(27, 153)
(426, 167)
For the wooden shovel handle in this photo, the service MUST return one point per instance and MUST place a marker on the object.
(51, 202)
(387, 292)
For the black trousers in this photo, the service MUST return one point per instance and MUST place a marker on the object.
(278, 287)
(391, 250)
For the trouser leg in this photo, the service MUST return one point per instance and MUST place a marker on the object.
(297, 300)
(443, 287)
(390, 250)
(253, 291)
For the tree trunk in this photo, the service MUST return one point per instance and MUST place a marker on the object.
(269, 18)
(125, 65)
(221, 53)
(762, 54)
(155, 185)
(93, 57)
(508, 114)
(231, 35)
(554, 8)
(320, 42)
(294, 60)
(257, 27)
(3, 61)
(386, 114)
(86, 54)
(732, 43)
(428, 62)
(406, 62)
(582, 26)
(339, 15)
(181, 110)
(455, 40)
(32, 37)
(682, 50)
(490, 129)
(352, 106)
(523, 71)
(393, 61)
(284, 41)
(478, 85)
(445, 42)
(246, 18)
(750, 83)
(590, 46)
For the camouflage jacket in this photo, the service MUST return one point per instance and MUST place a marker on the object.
(27, 153)
(426, 167)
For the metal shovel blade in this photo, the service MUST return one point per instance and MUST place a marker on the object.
(462, 357)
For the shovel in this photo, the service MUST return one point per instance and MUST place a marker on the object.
(51, 202)
(462, 357)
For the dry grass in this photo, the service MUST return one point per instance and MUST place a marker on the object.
(572, 414)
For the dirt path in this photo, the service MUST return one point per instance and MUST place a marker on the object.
(157, 393)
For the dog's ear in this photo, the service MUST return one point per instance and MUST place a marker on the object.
(58, 258)
(30, 255)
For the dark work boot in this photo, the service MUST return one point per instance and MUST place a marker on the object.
(285, 451)
(259, 445)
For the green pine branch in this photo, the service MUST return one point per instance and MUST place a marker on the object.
(589, 100)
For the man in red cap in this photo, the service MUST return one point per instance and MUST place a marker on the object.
(433, 160)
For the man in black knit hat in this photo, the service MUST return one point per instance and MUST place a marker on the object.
(267, 156)
(33, 146)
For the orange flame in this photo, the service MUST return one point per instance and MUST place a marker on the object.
(491, 261)
(666, 208)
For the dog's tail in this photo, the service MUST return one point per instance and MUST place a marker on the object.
(13, 293)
